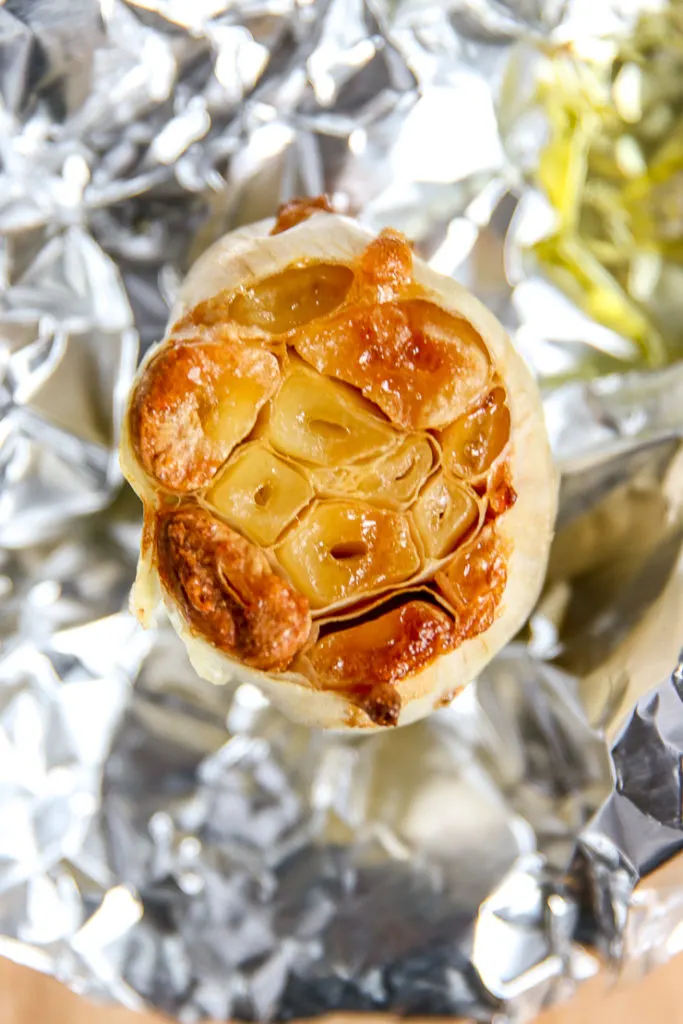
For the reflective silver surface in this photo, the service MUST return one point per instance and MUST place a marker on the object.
(166, 843)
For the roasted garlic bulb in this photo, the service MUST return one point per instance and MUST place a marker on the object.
(348, 492)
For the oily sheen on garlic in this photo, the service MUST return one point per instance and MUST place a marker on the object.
(348, 492)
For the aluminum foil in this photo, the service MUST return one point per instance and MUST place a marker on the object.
(165, 843)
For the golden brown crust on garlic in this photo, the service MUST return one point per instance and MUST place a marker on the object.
(366, 661)
(385, 267)
(501, 494)
(298, 210)
(473, 582)
(228, 591)
(178, 409)
(419, 365)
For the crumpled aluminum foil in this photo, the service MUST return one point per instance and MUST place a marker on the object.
(166, 843)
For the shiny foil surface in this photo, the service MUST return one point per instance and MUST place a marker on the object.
(165, 843)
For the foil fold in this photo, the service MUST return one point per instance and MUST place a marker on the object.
(169, 844)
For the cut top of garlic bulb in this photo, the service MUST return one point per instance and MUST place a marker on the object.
(348, 493)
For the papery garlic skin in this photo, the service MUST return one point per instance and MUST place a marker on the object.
(524, 530)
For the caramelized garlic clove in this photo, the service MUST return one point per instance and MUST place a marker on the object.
(393, 480)
(398, 476)
(444, 513)
(473, 582)
(259, 493)
(473, 443)
(420, 365)
(227, 590)
(325, 423)
(370, 658)
(344, 549)
(292, 298)
(193, 404)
